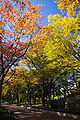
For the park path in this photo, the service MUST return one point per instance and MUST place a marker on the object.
(22, 113)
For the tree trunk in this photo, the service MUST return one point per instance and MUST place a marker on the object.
(1, 83)
(43, 97)
(18, 98)
(0, 93)
(50, 86)
(53, 90)
(29, 93)
(30, 98)
(59, 104)
(64, 97)
(34, 99)
(43, 100)
(43, 93)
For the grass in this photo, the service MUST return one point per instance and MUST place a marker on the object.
(5, 115)
(27, 105)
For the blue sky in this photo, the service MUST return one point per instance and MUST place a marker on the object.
(49, 7)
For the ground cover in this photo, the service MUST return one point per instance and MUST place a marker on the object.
(5, 115)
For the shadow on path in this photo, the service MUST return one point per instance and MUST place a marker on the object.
(29, 114)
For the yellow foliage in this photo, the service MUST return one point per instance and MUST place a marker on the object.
(5, 89)
(71, 6)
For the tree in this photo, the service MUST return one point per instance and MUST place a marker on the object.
(72, 7)
(66, 32)
(18, 24)
(19, 87)
(62, 48)
(35, 59)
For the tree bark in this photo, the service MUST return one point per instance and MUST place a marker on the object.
(18, 98)
(30, 98)
(59, 105)
(50, 86)
(0, 92)
(1, 83)
(64, 95)
(53, 90)
(43, 92)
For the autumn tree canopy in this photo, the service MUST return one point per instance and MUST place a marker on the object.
(18, 25)
(51, 54)
(71, 6)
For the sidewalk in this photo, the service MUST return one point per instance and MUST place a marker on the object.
(22, 113)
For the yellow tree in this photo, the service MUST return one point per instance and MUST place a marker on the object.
(18, 24)
(20, 82)
(63, 44)
(36, 59)
(66, 32)
(71, 6)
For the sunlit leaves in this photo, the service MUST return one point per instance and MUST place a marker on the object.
(19, 20)
(62, 46)
(19, 23)
(71, 6)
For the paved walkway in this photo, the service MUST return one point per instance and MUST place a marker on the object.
(31, 114)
